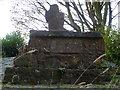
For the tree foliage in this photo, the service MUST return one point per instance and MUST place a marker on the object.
(11, 43)
(112, 42)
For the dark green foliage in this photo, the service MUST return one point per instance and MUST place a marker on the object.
(112, 42)
(11, 43)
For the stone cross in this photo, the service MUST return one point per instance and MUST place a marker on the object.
(54, 18)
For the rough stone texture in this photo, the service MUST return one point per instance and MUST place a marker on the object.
(64, 34)
(54, 50)
(54, 18)
(64, 48)
(48, 60)
(52, 76)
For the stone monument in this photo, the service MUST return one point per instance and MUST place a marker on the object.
(57, 56)
(54, 18)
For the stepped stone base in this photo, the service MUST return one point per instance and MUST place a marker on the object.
(49, 51)
(64, 49)
(16, 75)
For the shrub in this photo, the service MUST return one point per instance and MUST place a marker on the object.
(11, 43)
(112, 42)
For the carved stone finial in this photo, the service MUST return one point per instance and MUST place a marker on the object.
(54, 18)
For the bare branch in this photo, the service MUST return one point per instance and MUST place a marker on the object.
(115, 15)
(70, 24)
(76, 27)
(42, 6)
(105, 13)
(91, 14)
(110, 14)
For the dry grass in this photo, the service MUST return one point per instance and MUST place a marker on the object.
(95, 61)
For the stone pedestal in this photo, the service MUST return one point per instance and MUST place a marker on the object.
(56, 57)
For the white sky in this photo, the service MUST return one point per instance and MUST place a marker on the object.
(5, 18)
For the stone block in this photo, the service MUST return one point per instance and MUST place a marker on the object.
(29, 75)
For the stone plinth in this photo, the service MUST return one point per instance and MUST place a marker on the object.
(67, 42)
(67, 47)
(54, 50)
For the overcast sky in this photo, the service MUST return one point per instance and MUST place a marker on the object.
(5, 22)
(5, 18)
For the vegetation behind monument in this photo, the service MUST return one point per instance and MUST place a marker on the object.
(11, 43)
(112, 42)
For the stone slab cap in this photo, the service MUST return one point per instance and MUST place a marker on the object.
(64, 34)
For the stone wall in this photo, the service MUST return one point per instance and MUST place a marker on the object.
(65, 48)
(49, 51)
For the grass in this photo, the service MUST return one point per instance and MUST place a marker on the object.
(114, 81)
